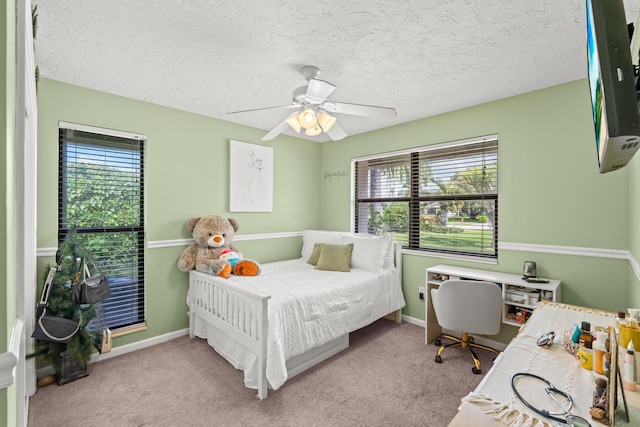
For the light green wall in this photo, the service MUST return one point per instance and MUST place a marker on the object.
(8, 196)
(634, 230)
(186, 163)
(634, 211)
(550, 190)
(186, 175)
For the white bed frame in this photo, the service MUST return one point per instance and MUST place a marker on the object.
(242, 315)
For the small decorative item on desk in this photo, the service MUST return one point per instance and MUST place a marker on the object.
(632, 320)
(547, 339)
(629, 335)
(585, 342)
(568, 342)
(621, 319)
(629, 370)
(600, 349)
(529, 270)
(599, 410)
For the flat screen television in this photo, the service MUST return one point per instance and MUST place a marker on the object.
(612, 84)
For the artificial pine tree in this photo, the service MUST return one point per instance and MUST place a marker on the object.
(86, 341)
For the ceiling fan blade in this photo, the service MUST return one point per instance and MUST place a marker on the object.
(319, 90)
(278, 129)
(265, 108)
(360, 110)
(336, 133)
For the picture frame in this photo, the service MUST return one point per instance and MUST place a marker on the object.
(250, 177)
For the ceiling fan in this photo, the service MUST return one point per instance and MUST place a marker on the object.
(313, 109)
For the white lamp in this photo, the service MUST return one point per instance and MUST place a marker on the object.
(294, 123)
(313, 131)
(326, 121)
(307, 118)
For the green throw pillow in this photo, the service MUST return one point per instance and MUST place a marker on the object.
(335, 257)
(315, 255)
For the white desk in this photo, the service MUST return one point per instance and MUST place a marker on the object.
(555, 364)
(435, 275)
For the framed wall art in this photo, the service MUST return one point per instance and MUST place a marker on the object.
(250, 177)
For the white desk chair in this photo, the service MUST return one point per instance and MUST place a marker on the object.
(471, 307)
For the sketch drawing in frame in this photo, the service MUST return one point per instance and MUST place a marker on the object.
(250, 177)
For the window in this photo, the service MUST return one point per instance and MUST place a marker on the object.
(441, 198)
(101, 195)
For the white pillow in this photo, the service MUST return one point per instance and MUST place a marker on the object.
(368, 251)
(389, 258)
(311, 237)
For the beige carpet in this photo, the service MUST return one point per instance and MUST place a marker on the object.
(387, 377)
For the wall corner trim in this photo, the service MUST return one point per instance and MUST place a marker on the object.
(9, 360)
(635, 266)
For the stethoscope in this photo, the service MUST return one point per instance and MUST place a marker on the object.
(553, 392)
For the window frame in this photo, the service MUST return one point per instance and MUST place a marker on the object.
(136, 291)
(414, 199)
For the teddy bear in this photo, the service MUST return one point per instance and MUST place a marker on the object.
(212, 251)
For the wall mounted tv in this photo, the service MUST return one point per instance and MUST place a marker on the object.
(612, 83)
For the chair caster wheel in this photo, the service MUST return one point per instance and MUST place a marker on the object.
(476, 370)
(437, 342)
(438, 359)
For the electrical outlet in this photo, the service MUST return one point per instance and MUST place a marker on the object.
(422, 291)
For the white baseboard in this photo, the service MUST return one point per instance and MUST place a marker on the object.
(127, 348)
(413, 320)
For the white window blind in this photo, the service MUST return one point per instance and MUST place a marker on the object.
(101, 196)
(440, 198)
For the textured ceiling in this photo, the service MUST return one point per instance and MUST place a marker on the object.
(421, 57)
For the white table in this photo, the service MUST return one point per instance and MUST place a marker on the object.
(554, 364)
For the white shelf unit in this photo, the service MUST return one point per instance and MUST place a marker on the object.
(519, 295)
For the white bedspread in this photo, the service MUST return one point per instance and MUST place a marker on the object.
(307, 308)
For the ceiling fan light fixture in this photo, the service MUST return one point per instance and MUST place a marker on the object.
(311, 109)
(326, 121)
(294, 123)
(313, 131)
(307, 118)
